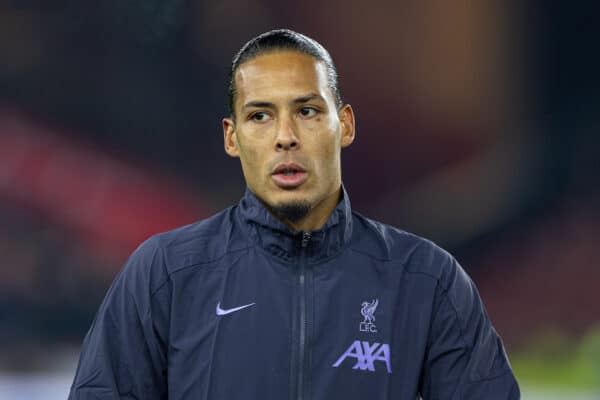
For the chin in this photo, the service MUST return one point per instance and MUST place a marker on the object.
(292, 210)
(287, 197)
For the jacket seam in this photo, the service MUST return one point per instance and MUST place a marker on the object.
(369, 223)
(208, 261)
(169, 274)
(491, 378)
(165, 269)
(432, 276)
(386, 259)
(435, 278)
(458, 321)
(434, 317)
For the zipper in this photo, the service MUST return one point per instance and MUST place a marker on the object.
(305, 239)
(304, 280)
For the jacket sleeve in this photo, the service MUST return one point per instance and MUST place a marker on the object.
(465, 358)
(123, 354)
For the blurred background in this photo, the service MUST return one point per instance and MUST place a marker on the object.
(478, 127)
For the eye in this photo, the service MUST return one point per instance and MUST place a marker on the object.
(259, 116)
(308, 112)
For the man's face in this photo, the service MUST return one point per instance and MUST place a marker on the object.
(288, 132)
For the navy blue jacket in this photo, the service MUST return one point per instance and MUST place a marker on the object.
(237, 306)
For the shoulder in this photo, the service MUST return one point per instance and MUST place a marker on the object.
(198, 243)
(202, 241)
(402, 249)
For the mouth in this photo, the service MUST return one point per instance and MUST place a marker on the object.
(289, 176)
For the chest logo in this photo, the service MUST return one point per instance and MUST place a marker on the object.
(366, 354)
(368, 312)
(223, 311)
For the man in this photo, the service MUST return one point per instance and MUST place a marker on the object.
(290, 294)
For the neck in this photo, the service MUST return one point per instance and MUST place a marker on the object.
(318, 215)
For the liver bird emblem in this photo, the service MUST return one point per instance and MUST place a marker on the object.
(368, 309)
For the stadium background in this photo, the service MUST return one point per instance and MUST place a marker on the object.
(478, 127)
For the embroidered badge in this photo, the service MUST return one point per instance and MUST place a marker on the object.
(368, 310)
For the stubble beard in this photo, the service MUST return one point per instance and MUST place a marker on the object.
(293, 211)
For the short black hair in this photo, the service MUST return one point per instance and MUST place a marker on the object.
(283, 39)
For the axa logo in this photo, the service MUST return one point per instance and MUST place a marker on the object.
(366, 355)
(368, 310)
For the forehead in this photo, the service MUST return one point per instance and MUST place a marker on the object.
(280, 76)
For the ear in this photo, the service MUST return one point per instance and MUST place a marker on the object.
(229, 137)
(346, 115)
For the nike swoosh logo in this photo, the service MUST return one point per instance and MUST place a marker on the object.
(222, 311)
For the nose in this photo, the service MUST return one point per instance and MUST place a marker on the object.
(286, 135)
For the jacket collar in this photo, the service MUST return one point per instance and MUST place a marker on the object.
(276, 238)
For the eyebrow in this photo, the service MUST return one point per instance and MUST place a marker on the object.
(258, 104)
(307, 98)
(298, 100)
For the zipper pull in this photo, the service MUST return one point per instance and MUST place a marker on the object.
(305, 239)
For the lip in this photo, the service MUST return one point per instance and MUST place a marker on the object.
(280, 168)
(289, 181)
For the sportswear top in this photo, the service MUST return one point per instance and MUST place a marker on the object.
(238, 306)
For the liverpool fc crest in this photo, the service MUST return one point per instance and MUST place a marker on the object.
(368, 310)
